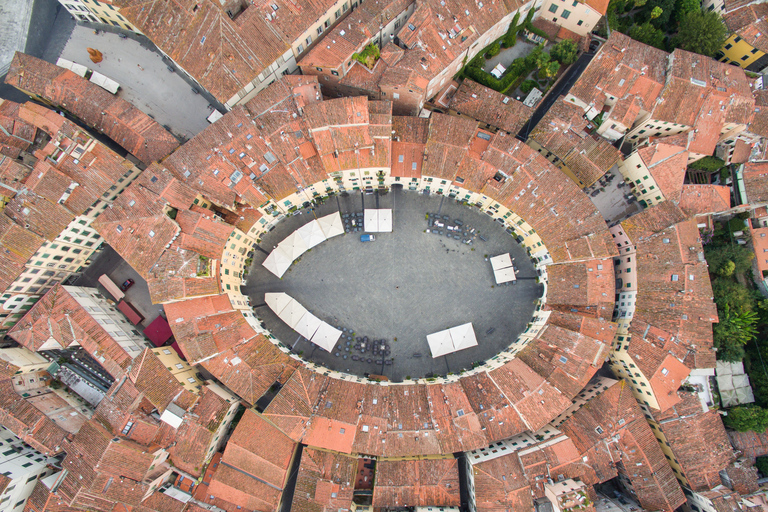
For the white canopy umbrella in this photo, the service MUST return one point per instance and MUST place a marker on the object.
(292, 314)
(501, 261)
(278, 262)
(504, 275)
(326, 337)
(385, 221)
(371, 218)
(308, 325)
(331, 225)
(311, 233)
(463, 336)
(294, 246)
(440, 343)
(277, 302)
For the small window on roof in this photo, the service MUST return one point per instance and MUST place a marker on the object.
(400, 158)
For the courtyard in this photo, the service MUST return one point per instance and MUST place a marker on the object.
(399, 288)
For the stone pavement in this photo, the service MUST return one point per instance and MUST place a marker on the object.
(402, 286)
(14, 23)
(147, 80)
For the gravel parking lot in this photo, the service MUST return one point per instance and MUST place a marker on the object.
(401, 287)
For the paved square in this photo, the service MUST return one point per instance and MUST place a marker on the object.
(401, 287)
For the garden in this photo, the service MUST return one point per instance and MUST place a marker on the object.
(536, 69)
(668, 24)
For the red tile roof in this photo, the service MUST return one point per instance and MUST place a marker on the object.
(325, 482)
(490, 107)
(119, 120)
(417, 483)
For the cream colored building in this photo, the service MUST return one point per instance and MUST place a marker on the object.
(26, 360)
(233, 267)
(181, 370)
(625, 269)
(577, 16)
(24, 466)
(645, 188)
(97, 12)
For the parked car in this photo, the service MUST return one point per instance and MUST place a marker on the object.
(127, 284)
(367, 238)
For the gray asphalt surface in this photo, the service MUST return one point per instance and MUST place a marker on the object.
(402, 286)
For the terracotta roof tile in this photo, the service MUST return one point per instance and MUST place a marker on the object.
(490, 107)
(413, 483)
(119, 120)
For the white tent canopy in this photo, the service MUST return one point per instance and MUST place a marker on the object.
(278, 262)
(326, 337)
(308, 325)
(440, 343)
(378, 221)
(501, 261)
(503, 270)
(504, 275)
(331, 225)
(293, 245)
(292, 314)
(277, 302)
(371, 218)
(311, 233)
(463, 336)
(452, 340)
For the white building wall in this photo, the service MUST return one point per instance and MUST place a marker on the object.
(23, 465)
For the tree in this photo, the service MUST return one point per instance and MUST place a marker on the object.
(493, 50)
(649, 10)
(656, 12)
(701, 32)
(761, 463)
(683, 7)
(718, 256)
(648, 34)
(564, 52)
(732, 332)
(726, 270)
(542, 60)
(745, 418)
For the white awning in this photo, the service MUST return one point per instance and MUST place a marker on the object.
(331, 225)
(463, 336)
(378, 221)
(278, 262)
(501, 261)
(326, 337)
(504, 275)
(294, 246)
(371, 218)
(307, 325)
(292, 314)
(385, 221)
(311, 233)
(277, 302)
(440, 343)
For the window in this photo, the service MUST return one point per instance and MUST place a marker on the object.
(728, 46)
(308, 40)
(553, 8)
(299, 49)
(566, 13)
(580, 23)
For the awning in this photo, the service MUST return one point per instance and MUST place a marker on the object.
(292, 314)
(440, 343)
(278, 262)
(504, 275)
(277, 302)
(158, 332)
(463, 336)
(293, 246)
(331, 225)
(378, 221)
(311, 233)
(326, 337)
(308, 325)
(501, 261)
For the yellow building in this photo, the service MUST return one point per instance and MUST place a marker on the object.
(181, 370)
(97, 12)
(736, 50)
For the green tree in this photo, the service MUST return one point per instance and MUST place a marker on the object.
(662, 20)
(745, 418)
(732, 332)
(493, 50)
(648, 34)
(542, 60)
(701, 32)
(761, 463)
(564, 52)
(717, 256)
(656, 12)
(726, 270)
(683, 7)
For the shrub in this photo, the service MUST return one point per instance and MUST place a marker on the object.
(528, 86)
(761, 463)
(493, 50)
(746, 418)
